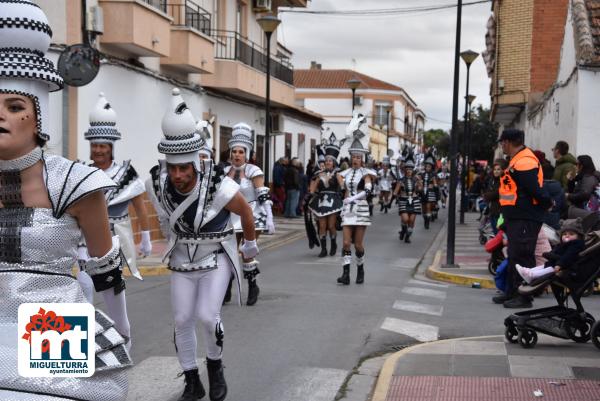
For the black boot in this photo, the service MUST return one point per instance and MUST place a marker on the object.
(253, 291)
(360, 274)
(407, 237)
(426, 218)
(227, 297)
(193, 386)
(217, 387)
(381, 206)
(345, 277)
(371, 210)
(333, 249)
(323, 247)
(402, 232)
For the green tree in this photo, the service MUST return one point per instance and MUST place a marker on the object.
(438, 138)
(484, 134)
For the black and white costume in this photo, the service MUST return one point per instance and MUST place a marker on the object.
(327, 199)
(409, 198)
(430, 189)
(202, 252)
(258, 198)
(39, 245)
(357, 191)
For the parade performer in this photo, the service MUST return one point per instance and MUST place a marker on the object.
(408, 192)
(326, 201)
(430, 196)
(47, 203)
(103, 135)
(205, 129)
(443, 176)
(357, 183)
(194, 202)
(252, 186)
(386, 179)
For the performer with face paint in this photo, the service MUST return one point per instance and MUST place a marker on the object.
(252, 186)
(103, 134)
(357, 183)
(408, 192)
(194, 201)
(46, 204)
(327, 202)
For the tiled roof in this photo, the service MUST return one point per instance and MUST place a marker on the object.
(586, 20)
(337, 79)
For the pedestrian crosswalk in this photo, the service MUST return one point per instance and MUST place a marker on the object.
(424, 298)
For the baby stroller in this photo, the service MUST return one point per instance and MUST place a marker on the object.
(560, 321)
(494, 247)
(485, 229)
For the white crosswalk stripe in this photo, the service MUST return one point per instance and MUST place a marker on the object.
(424, 292)
(417, 307)
(418, 331)
(412, 281)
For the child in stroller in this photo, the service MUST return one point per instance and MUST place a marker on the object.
(561, 321)
(562, 258)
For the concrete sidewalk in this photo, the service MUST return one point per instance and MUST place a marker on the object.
(490, 369)
(286, 230)
(469, 255)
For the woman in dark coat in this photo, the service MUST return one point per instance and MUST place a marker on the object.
(583, 185)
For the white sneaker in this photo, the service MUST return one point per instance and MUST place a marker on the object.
(524, 272)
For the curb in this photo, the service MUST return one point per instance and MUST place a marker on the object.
(433, 272)
(162, 270)
(387, 371)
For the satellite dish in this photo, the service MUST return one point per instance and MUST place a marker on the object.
(390, 153)
(79, 64)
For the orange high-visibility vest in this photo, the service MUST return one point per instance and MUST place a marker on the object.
(522, 161)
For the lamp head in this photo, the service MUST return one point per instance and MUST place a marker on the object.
(469, 56)
(471, 98)
(354, 83)
(268, 23)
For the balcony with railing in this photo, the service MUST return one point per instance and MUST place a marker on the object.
(192, 48)
(233, 46)
(136, 27)
(241, 66)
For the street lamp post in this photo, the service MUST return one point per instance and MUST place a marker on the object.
(269, 24)
(451, 237)
(470, 99)
(353, 84)
(468, 57)
(387, 138)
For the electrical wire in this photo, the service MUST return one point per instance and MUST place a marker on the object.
(381, 11)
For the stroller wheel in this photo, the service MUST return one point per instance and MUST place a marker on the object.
(579, 331)
(482, 239)
(596, 334)
(492, 266)
(527, 338)
(511, 334)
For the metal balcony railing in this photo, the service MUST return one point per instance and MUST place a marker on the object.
(233, 46)
(191, 15)
(158, 4)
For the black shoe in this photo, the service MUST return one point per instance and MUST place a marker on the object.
(253, 292)
(345, 277)
(407, 238)
(519, 302)
(500, 299)
(427, 223)
(193, 386)
(323, 247)
(217, 387)
(381, 206)
(227, 297)
(402, 233)
(360, 274)
(385, 209)
(333, 249)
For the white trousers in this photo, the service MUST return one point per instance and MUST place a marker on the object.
(199, 296)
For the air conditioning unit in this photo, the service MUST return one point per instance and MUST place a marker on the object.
(359, 100)
(276, 123)
(262, 6)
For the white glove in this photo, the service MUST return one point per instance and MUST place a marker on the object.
(359, 196)
(249, 249)
(270, 224)
(146, 245)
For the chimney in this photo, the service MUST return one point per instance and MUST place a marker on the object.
(314, 65)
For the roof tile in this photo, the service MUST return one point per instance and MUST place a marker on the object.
(337, 79)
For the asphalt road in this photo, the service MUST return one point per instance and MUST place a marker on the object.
(306, 334)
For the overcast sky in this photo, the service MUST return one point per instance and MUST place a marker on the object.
(415, 52)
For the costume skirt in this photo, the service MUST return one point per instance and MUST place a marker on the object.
(356, 214)
(409, 205)
(260, 218)
(325, 203)
(430, 196)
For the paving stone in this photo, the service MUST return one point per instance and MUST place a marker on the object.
(424, 365)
